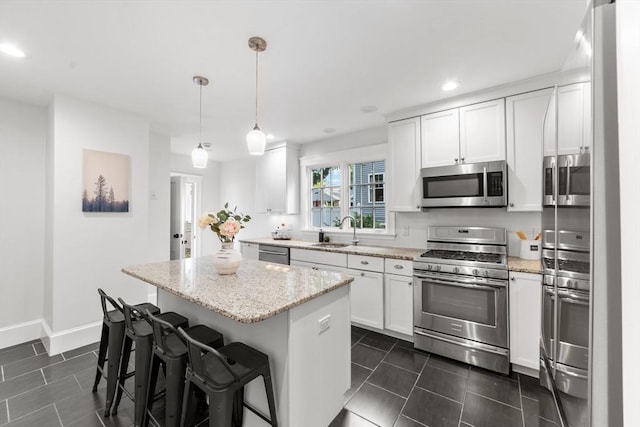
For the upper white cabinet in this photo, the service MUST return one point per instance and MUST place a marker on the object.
(440, 138)
(574, 117)
(525, 302)
(404, 165)
(525, 119)
(277, 180)
(471, 134)
(482, 131)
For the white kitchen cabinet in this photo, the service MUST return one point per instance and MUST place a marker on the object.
(318, 257)
(525, 117)
(249, 250)
(404, 165)
(278, 180)
(482, 132)
(398, 296)
(574, 118)
(440, 143)
(367, 298)
(367, 293)
(471, 134)
(525, 299)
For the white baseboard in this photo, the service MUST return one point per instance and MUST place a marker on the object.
(58, 342)
(21, 332)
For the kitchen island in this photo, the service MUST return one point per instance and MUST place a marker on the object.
(297, 316)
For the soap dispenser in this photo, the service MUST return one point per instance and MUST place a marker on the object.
(321, 236)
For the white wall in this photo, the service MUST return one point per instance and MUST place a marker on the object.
(210, 191)
(628, 50)
(22, 222)
(238, 187)
(89, 249)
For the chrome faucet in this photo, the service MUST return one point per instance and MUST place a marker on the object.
(355, 241)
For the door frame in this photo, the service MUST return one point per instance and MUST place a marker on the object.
(196, 209)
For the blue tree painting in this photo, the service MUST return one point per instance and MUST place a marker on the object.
(105, 181)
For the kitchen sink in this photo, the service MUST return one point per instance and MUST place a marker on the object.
(331, 245)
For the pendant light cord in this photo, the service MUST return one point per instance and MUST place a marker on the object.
(200, 140)
(257, 87)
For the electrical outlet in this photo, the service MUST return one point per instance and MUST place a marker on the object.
(324, 323)
(405, 230)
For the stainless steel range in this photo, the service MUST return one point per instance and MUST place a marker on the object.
(461, 296)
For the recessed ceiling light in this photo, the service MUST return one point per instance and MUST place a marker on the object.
(369, 109)
(450, 85)
(328, 130)
(270, 136)
(12, 50)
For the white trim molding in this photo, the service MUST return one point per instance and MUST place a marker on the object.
(58, 342)
(20, 333)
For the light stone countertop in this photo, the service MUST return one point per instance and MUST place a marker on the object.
(524, 265)
(378, 251)
(257, 291)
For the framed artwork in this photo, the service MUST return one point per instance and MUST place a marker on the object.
(105, 181)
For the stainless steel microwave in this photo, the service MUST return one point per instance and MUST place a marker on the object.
(567, 182)
(465, 185)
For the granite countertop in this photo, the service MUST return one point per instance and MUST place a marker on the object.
(256, 292)
(379, 251)
(524, 265)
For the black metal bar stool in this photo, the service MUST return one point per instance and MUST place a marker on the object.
(170, 351)
(111, 344)
(139, 331)
(222, 375)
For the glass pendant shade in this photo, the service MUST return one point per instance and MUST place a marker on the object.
(199, 157)
(256, 141)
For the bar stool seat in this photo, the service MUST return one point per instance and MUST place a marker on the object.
(140, 332)
(171, 352)
(111, 339)
(222, 374)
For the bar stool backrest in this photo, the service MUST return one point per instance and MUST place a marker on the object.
(161, 329)
(103, 301)
(197, 352)
(131, 314)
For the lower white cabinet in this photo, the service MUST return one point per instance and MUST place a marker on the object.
(525, 299)
(398, 303)
(367, 298)
(249, 250)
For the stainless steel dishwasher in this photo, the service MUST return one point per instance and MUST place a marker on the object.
(275, 254)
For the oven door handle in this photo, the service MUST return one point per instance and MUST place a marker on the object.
(485, 186)
(462, 284)
(572, 297)
(464, 343)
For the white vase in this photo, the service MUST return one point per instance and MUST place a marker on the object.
(227, 260)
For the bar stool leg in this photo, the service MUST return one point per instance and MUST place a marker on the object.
(270, 397)
(221, 409)
(116, 334)
(189, 405)
(151, 388)
(175, 389)
(141, 379)
(122, 375)
(238, 408)
(102, 355)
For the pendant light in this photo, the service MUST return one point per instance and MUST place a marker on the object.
(256, 139)
(199, 156)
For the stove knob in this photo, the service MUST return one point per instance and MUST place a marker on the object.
(429, 267)
(486, 273)
(475, 271)
(456, 269)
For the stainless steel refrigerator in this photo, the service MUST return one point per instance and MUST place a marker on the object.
(579, 343)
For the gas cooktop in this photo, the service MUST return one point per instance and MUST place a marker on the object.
(463, 256)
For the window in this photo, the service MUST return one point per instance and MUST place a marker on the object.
(326, 189)
(366, 192)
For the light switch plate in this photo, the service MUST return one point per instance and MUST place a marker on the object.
(324, 323)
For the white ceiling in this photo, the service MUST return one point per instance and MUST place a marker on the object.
(324, 61)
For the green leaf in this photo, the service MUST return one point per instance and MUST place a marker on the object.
(226, 205)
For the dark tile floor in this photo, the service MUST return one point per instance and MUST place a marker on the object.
(392, 385)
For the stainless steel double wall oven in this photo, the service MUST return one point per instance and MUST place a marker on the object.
(461, 296)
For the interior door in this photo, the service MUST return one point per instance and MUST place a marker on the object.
(177, 245)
